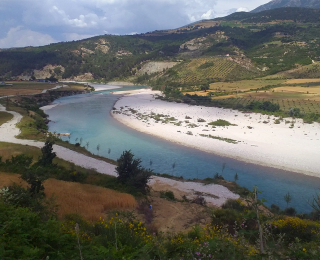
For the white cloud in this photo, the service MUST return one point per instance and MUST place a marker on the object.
(19, 37)
(71, 19)
(76, 37)
(208, 15)
(242, 9)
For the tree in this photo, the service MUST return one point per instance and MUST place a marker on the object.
(287, 198)
(223, 167)
(173, 166)
(87, 145)
(236, 177)
(47, 153)
(98, 148)
(35, 178)
(315, 204)
(205, 87)
(130, 172)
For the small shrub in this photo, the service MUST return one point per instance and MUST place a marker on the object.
(225, 217)
(221, 122)
(233, 204)
(167, 195)
(290, 211)
(275, 208)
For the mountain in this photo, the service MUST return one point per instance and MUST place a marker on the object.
(239, 46)
(287, 3)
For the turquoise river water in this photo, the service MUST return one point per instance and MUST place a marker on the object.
(88, 117)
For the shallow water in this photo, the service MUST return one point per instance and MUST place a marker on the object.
(88, 117)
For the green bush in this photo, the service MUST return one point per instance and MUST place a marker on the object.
(167, 195)
(25, 235)
(233, 204)
(225, 217)
(220, 122)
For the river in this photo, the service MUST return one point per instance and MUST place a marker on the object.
(87, 116)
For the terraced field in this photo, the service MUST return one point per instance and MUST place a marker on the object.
(222, 68)
(293, 93)
(299, 93)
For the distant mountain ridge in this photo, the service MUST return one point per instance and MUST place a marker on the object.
(239, 46)
(287, 3)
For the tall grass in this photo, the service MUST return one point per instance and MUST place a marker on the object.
(7, 150)
(88, 200)
(5, 117)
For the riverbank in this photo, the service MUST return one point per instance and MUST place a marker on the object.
(213, 194)
(260, 139)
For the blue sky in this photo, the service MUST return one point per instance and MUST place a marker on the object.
(40, 22)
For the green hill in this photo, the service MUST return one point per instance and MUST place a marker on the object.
(240, 46)
(287, 3)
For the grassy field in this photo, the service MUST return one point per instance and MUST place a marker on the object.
(7, 150)
(24, 88)
(30, 88)
(91, 201)
(5, 117)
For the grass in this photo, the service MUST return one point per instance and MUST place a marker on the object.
(83, 150)
(90, 201)
(228, 140)
(7, 150)
(28, 129)
(5, 117)
(221, 122)
(30, 88)
(24, 88)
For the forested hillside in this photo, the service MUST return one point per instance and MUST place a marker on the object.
(239, 46)
(287, 3)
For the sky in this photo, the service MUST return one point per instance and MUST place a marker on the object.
(41, 22)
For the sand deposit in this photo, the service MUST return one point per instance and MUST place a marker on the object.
(255, 138)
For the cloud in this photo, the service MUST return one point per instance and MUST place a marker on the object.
(19, 37)
(208, 15)
(71, 19)
(242, 9)
(76, 37)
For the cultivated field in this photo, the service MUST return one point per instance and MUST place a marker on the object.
(243, 85)
(92, 202)
(300, 93)
(218, 68)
